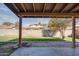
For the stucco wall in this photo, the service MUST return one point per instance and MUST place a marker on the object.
(29, 33)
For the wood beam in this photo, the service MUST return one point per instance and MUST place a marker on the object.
(72, 7)
(33, 7)
(20, 31)
(63, 7)
(53, 6)
(73, 32)
(23, 7)
(15, 7)
(44, 7)
(49, 14)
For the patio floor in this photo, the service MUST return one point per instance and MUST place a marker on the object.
(46, 51)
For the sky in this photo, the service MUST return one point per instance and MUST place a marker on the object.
(6, 15)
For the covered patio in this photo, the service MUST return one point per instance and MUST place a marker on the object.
(45, 10)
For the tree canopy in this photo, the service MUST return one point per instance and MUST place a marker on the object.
(58, 25)
(7, 23)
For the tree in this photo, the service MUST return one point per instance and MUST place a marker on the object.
(58, 25)
(7, 23)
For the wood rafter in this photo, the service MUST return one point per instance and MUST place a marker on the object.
(53, 6)
(34, 7)
(72, 7)
(44, 7)
(23, 7)
(63, 7)
(14, 5)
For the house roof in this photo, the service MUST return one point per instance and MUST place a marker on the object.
(44, 9)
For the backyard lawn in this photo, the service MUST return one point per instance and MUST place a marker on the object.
(39, 39)
(43, 39)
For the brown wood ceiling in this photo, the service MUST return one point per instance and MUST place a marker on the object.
(43, 8)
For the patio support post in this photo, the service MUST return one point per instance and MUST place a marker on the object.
(73, 32)
(20, 30)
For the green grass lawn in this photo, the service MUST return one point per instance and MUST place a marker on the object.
(45, 39)
(39, 39)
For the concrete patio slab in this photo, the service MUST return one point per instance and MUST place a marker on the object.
(46, 51)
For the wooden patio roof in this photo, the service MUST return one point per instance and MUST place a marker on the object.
(44, 9)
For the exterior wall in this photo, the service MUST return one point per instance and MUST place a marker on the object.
(67, 33)
(29, 33)
(77, 32)
(32, 33)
